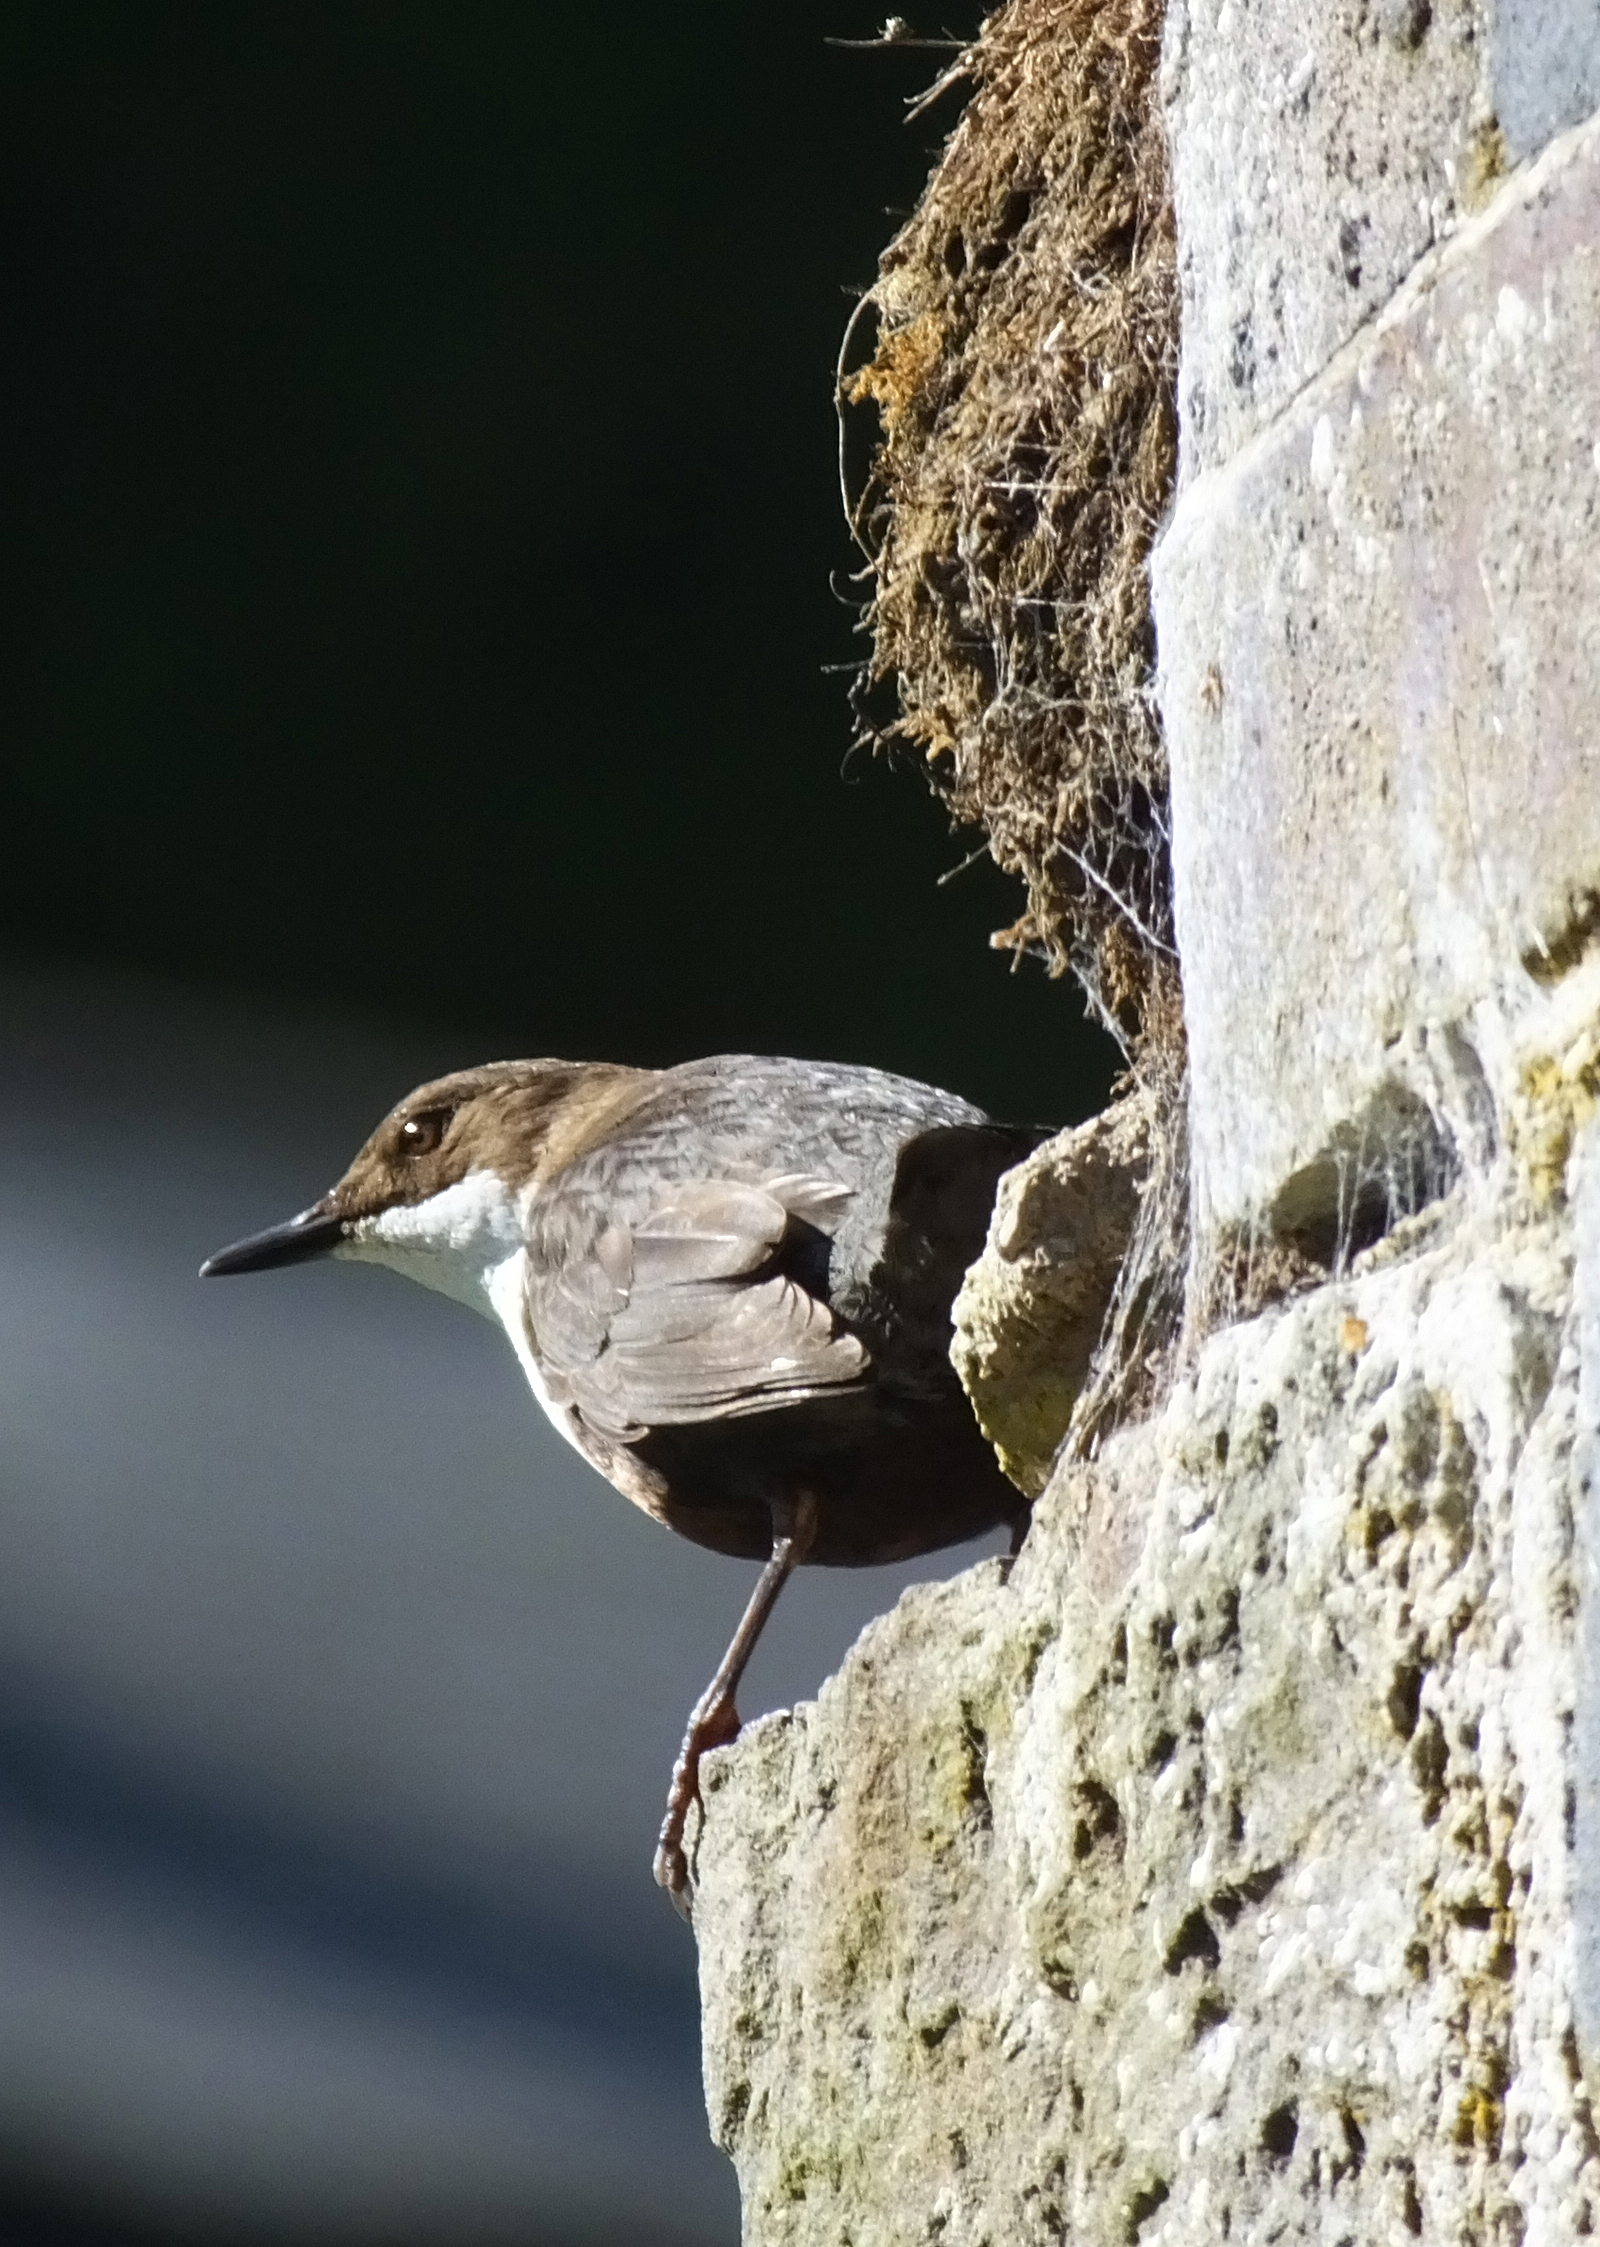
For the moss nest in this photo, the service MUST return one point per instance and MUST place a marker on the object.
(1024, 374)
(1024, 371)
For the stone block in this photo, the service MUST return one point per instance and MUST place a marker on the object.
(1380, 681)
(1318, 153)
(1031, 1310)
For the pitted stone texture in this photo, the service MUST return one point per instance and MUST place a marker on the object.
(1381, 692)
(1319, 152)
(1585, 1200)
(1032, 1308)
(1230, 1901)
(1544, 68)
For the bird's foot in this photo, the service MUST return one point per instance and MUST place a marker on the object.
(713, 1722)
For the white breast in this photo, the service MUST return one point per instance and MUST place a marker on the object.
(508, 1296)
(467, 1242)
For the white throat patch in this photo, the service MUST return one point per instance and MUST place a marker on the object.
(455, 1241)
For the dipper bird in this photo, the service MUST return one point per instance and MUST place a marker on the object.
(729, 1285)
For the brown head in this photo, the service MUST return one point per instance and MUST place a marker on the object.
(440, 1179)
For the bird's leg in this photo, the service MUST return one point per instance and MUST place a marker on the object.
(714, 1719)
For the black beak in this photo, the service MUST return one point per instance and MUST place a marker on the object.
(312, 1233)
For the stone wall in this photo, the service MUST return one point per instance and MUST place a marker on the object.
(1381, 689)
(1228, 1865)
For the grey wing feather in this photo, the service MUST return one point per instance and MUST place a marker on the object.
(684, 1318)
(709, 1230)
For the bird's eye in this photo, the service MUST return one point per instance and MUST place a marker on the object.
(419, 1135)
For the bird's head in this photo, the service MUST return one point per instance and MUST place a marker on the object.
(438, 1189)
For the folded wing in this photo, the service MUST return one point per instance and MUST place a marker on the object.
(689, 1313)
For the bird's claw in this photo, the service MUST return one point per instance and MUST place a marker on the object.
(713, 1723)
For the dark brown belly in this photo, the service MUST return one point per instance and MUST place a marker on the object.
(889, 1482)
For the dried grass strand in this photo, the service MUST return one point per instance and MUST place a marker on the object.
(1024, 378)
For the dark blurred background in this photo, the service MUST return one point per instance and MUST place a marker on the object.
(423, 564)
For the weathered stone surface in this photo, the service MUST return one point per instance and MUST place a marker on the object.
(1228, 1898)
(1319, 152)
(1032, 1309)
(1544, 64)
(1381, 688)
(1585, 1183)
